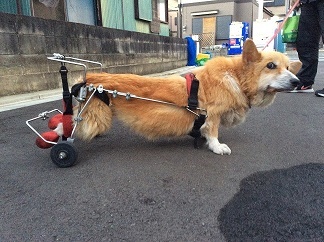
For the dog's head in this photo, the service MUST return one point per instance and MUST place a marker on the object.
(272, 70)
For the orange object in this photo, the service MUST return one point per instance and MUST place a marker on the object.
(67, 125)
(49, 136)
(55, 120)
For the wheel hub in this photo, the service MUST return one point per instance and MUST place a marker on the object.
(62, 155)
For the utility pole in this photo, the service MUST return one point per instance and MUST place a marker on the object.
(179, 19)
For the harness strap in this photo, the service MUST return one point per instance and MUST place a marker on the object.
(102, 96)
(195, 132)
(76, 88)
(192, 89)
(68, 107)
(67, 98)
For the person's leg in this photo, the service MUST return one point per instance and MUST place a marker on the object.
(308, 42)
(320, 8)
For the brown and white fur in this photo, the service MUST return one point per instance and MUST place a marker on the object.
(229, 86)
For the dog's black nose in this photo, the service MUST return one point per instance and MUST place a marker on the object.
(294, 81)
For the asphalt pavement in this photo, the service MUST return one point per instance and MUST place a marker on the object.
(125, 188)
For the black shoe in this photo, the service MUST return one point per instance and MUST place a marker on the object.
(302, 88)
(320, 93)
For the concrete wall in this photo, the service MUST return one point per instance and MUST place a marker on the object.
(25, 42)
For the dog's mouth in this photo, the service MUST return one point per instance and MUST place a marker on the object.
(271, 89)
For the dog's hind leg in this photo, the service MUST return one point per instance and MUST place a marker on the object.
(96, 119)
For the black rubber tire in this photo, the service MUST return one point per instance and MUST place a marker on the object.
(64, 154)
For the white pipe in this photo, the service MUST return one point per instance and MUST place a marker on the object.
(260, 12)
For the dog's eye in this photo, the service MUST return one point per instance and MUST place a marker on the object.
(271, 65)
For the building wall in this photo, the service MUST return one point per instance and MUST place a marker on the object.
(25, 42)
(131, 15)
(241, 11)
(223, 8)
(244, 12)
(173, 25)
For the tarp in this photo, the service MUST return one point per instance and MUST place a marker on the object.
(191, 47)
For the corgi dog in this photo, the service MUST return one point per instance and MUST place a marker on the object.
(228, 88)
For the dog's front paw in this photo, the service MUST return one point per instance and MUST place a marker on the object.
(221, 149)
(218, 148)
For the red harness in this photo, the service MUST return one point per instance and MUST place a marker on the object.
(189, 78)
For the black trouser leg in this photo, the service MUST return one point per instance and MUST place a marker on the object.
(311, 27)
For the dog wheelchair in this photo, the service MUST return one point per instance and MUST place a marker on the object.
(61, 136)
(62, 125)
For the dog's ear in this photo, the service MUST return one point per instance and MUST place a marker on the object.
(250, 52)
(294, 66)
